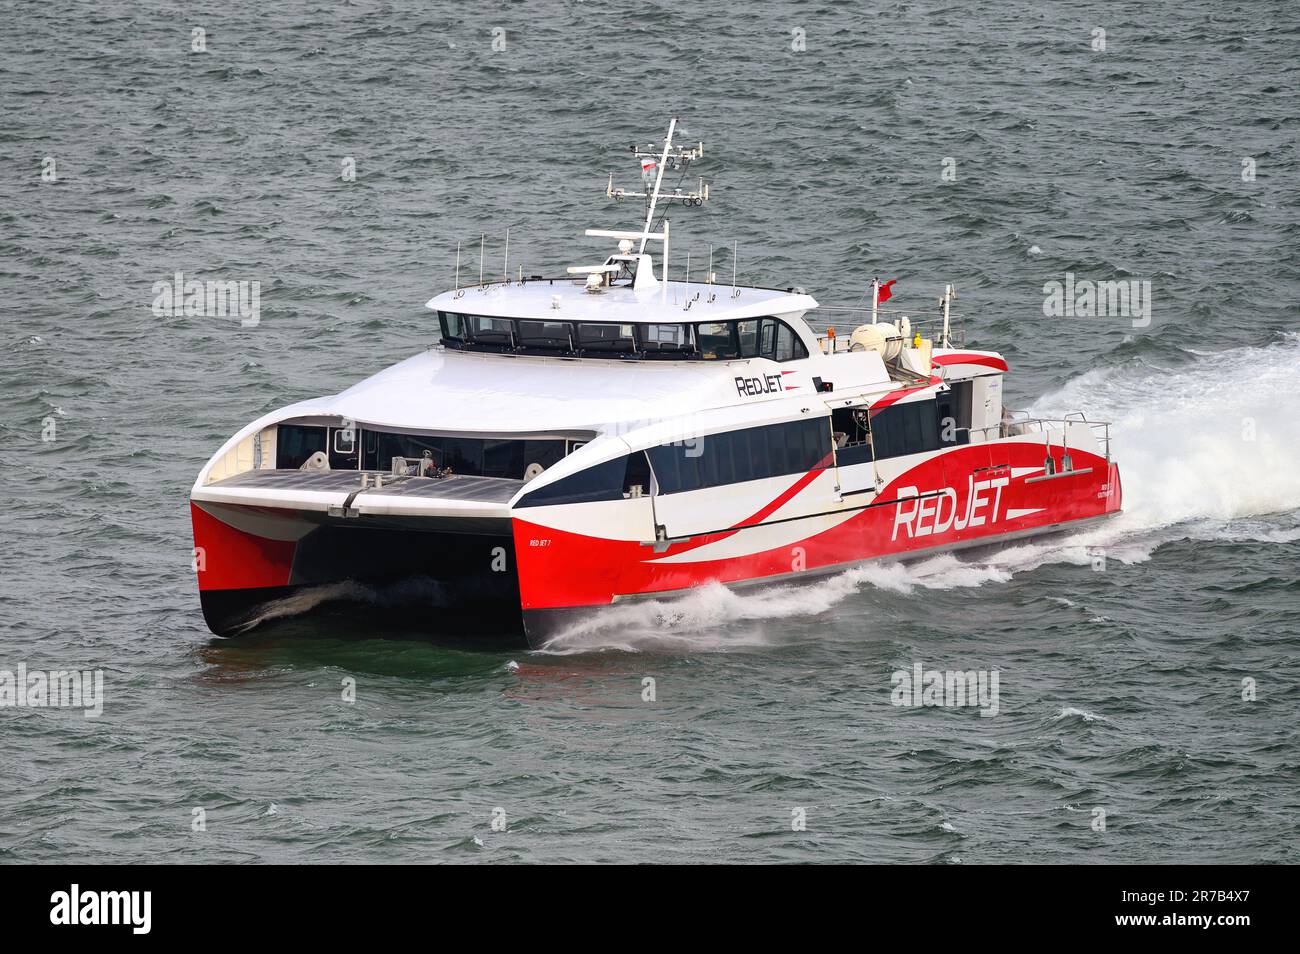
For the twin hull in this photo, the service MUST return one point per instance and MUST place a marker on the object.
(534, 569)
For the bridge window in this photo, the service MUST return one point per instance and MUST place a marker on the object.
(747, 331)
(768, 338)
(717, 340)
(788, 347)
(545, 335)
(612, 338)
(659, 338)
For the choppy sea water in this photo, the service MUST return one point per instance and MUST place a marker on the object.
(1121, 651)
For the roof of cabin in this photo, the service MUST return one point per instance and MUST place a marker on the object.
(621, 303)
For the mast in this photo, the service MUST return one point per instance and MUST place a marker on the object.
(680, 158)
(659, 178)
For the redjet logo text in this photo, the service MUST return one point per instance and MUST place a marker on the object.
(766, 384)
(938, 511)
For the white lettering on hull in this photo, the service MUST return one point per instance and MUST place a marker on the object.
(936, 512)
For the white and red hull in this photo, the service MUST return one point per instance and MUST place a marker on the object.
(536, 569)
(968, 496)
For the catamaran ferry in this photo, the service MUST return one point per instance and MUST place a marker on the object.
(614, 434)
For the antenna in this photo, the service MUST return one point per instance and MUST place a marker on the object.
(948, 296)
(653, 166)
(505, 270)
(709, 278)
(481, 240)
(457, 291)
(688, 281)
(735, 250)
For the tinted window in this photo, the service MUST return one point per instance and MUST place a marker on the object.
(484, 330)
(453, 325)
(747, 331)
(902, 429)
(951, 430)
(551, 335)
(788, 347)
(661, 337)
(502, 458)
(637, 473)
(294, 443)
(602, 337)
(778, 342)
(472, 456)
(600, 482)
(753, 453)
(853, 438)
(717, 339)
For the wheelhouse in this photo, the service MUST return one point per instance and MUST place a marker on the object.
(766, 337)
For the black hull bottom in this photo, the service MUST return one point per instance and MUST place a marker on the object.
(385, 579)
(415, 606)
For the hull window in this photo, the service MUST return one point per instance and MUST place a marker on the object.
(733, 457)
(852, 429)
(902, 429)
(954, 426)
(611, 480)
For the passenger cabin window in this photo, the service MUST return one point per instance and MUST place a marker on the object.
(469, 456)
(902, 429)
(851, 429)
(616, 479)
(732, 457)
(753, 453)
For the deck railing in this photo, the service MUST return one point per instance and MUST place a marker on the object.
(845, 319)
(1019, 425)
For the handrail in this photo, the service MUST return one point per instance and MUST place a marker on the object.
(930, 327)
(1100, 429)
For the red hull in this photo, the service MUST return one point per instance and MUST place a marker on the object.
(574, 570)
